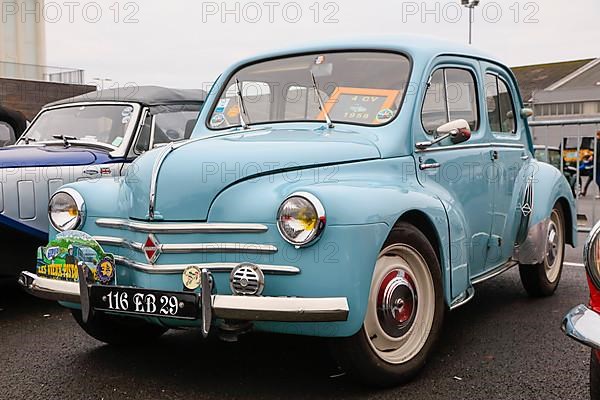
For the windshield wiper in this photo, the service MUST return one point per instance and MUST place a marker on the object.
(241, 106)
(65, 139)
(321, 103)
(28, 139)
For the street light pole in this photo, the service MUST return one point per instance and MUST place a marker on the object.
(470, 4)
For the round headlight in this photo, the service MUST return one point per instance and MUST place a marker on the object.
(66, 210)
(301, 219)
(591, 255)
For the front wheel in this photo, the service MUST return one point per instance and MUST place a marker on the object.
(404, 314)
(542, 279)
(119, 331)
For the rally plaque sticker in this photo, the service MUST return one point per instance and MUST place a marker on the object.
(60, 259)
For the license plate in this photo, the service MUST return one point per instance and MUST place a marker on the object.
(144, 302)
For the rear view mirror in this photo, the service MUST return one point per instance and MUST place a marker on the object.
(458, 131)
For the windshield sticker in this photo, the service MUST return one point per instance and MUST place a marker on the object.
(384, 115)
(117, 142)
(319, 60)
(126, 112)
(217, 120)
(221, 106)
(125, 120)
(233, 111)
(360, 105)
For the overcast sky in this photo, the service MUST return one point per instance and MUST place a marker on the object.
(185, 43)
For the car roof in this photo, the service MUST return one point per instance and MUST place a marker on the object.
(416, 46)
(145, 95)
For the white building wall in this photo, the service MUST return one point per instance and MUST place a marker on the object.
(22, 39)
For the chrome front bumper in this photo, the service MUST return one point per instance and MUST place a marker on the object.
(246, 308)
(583, 325)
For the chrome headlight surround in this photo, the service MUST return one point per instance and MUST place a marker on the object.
(77, 203)
(320, 222)
(591, 254)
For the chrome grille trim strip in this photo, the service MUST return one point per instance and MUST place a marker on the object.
(180, 227)
(185, 248)
(213, 267)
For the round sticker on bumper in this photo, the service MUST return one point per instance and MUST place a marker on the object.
(191, 278)
(106, 270)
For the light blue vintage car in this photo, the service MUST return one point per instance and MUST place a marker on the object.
(356, 191)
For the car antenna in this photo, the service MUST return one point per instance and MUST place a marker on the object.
(321, 103)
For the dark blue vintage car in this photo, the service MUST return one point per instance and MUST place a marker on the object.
(82, 138)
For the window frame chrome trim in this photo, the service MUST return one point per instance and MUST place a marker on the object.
(180, 227)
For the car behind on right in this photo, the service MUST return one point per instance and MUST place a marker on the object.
(582, 323)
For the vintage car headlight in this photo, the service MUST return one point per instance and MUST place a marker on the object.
(66, 210)
(591, 254)
(301, 219)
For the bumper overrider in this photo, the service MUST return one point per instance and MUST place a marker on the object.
(210, 305)
(583, 325)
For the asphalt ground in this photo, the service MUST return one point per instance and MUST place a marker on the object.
(501, 345)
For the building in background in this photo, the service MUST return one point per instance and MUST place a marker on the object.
(22, 40)
(562, 91)
(26, 82)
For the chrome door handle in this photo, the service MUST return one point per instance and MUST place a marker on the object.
(429, 166)
(525, 157)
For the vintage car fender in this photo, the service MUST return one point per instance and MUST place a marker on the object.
(362, 201)
(547, 186)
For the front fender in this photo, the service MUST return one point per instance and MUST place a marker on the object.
(549, 187)
(356, 194)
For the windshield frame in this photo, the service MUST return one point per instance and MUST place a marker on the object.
(115, 151)
(229, 77)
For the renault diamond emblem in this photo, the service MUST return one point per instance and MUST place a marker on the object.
(151, 249)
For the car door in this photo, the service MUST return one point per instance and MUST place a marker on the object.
(510, 155)
(457, 172)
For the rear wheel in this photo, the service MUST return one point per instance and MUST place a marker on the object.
(118, 330)
(404, 314)
(542, 279)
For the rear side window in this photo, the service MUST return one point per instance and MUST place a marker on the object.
(501, 112)
(451, 95)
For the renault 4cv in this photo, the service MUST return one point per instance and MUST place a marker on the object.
(350, 191)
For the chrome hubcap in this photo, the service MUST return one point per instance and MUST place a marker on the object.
(401, 305)
(396, 303)
(554, 247)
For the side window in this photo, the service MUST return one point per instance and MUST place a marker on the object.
(143, 141)
(7, 134)
(451, 95)
(174, 126)
(501, 112)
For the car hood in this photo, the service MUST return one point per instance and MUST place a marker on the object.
(48, 156)
(192, 174)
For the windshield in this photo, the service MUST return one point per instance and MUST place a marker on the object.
(363, 88)
(106, 124)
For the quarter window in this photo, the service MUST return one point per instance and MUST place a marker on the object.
(451, 95)
(500, 106)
